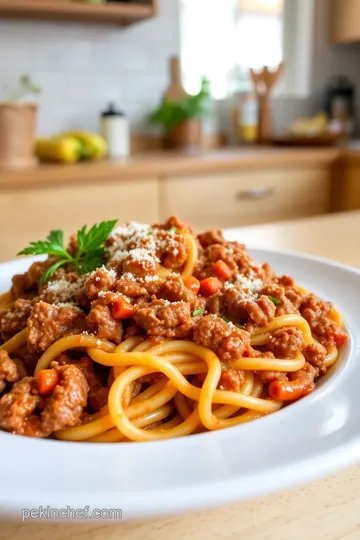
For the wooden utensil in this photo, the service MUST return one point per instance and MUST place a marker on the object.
(176, 91)
(264, 81)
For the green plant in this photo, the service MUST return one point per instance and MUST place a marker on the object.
(26, 87)
(170, 114)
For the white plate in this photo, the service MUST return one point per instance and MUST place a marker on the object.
(315, 436)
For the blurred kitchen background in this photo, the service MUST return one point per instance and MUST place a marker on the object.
(142, 109)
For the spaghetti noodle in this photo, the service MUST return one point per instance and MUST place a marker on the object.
(174, 335)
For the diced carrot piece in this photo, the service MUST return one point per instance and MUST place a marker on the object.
(291, 390)
(192, 284)
(210, 286)
(46, 380)
(221, 270)
(122, 309)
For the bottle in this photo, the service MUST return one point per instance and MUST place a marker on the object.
(116, 132)
(340, 105)
(249, 118)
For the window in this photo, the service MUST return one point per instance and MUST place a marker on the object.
(222, 39)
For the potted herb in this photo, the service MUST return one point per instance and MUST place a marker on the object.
(182, 120)
(18, 127)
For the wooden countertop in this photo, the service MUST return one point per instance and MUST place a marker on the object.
(329, 508)
(159, 164)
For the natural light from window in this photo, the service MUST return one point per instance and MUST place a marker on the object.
(222, 39)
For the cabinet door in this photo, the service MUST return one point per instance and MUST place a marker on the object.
(30, 215)
(244, 198)
(345, 21)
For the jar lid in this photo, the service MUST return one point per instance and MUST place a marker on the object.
(112, 111)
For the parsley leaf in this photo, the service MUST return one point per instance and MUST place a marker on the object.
(184, 296)
(225, 319)
(173, 230)
(240, 326)
(275, 301)
(90, 253)
(95, 236)
(199, 311)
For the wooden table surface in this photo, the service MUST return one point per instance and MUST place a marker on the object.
(327, 509)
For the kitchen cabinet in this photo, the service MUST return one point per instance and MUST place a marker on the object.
(244, 198)
(27, 215)
(67, 10)
(345, 21)
(346, 189)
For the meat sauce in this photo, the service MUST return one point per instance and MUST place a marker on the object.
(139, 291)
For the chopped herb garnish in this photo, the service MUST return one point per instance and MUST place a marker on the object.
(173, 230)
(240, 326)
(275, 301)
(90, 253)
(184, 296)
(150, 232)
(225, 319)
(197, 312)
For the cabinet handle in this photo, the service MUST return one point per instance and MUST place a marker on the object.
(255, 193)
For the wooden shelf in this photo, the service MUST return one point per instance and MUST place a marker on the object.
(67, 10)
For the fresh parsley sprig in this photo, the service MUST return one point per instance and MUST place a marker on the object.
(90, 253)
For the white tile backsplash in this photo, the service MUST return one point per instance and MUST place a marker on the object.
(82, 67)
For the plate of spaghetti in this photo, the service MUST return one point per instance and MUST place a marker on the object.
(238, 367)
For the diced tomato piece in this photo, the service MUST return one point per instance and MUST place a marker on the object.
(221, 270)
(192, 284)
(122, 309)
(46, 380)
(210, 286)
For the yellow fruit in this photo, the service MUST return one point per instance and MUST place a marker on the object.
(59, 149)
(93, 145)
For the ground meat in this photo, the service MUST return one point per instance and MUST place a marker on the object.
(231, 380)
(141, 267)
(233, 302)
(329, 333)
(173, 222)
(15, 319)
(286, 342)
(172, 249)
(211, 237)
(294, 295)
(101, 322)
(22, 284)
(285, 281)
(227, 341)
(266, 377)
(216, 304)
(98, 393)
(64, 407)
(261, 312)
(8, 371)
(315, 354)
(130, 288)
(98, 282)
(268, 273)
(317, 312)
(174, 290)
(28, 358)
(161, 318)
(49, 323)
(285, 306)
(19, 409)
(313, 309)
